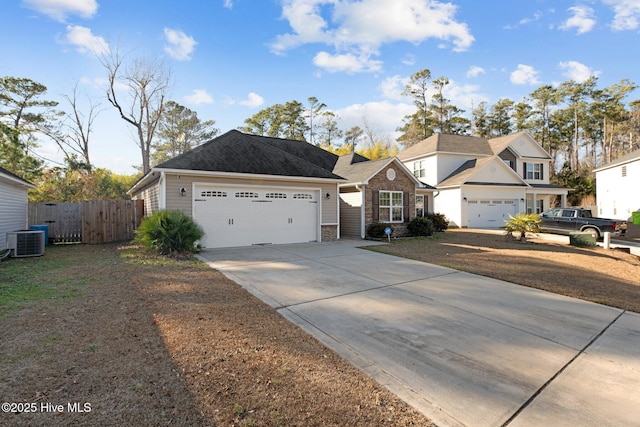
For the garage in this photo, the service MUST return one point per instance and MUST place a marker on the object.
(242, 216)
(487, 213)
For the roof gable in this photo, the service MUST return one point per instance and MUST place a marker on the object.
(485, 170)
(520, 143)
(236, 152)
(359, 170)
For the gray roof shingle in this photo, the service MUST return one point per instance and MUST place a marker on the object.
(449, 144)
(237, 152)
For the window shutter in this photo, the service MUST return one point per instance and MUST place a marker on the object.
(541, 170)
(375, 205)
(405, 206)
(524, 172)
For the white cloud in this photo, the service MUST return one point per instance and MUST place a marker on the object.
(253, 100)
(198, 97)
(627, 14)
(385, 115)
(475, 71)
(409, 60)
(363, 26)
(582, 19)
(348, 63)
(85, 41)
(524, 74)
(392, 87)
(536, 16)
(60, 9)
(576, 71)
(180, 46)
(228, 4)
(466, 97)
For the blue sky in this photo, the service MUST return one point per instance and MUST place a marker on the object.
(232, 58)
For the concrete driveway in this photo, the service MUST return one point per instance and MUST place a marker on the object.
(465, 350)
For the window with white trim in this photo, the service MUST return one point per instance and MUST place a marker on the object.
(418, 169)
(534, 171)
(391, 208)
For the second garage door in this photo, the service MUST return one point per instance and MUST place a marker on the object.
(234, 216)
(483, 213)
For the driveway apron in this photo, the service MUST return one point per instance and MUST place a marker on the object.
(465, 350)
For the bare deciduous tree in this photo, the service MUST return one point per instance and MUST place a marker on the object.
(137, 90)
(78, 126)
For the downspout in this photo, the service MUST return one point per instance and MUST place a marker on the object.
(163, 191)
(436, 194)
(362, 211)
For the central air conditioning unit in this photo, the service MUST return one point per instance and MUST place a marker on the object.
(26, 243)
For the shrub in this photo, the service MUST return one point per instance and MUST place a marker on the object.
(421, 226)
(522, 223)
(440, 222)
(376, 229)
(169, 231)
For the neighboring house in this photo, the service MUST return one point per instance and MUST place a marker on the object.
(617, 192)
(480, 182)
(13, 204)
(246, 189)
(379, 191)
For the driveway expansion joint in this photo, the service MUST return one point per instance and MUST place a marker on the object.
(557, 374)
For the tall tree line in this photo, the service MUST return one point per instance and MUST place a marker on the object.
(580, 124)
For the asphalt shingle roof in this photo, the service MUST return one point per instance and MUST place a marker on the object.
(449, 144)
(630, 157)
(355, 169)
(13, 175)
(237, 152)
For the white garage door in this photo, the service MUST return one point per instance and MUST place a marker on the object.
(484, 213)
(233, 216)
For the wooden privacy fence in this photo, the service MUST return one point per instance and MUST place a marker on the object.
(92, 222)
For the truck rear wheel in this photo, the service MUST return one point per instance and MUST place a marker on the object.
(592, 230)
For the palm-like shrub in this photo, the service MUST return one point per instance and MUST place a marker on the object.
(168, 232)
(522, 223)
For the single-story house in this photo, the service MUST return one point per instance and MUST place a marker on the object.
(246, 189)
(13, 204)
(617, 194)
(481, 182)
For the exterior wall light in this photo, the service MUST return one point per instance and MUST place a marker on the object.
(183, 191)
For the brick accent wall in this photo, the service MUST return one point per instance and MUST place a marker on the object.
(329, 233)
(380, 182)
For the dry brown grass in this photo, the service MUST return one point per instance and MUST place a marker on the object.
(608, 277)
(153, 342)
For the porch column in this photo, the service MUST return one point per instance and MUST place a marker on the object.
(534, 198)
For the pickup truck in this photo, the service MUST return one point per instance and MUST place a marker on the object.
(567, 220)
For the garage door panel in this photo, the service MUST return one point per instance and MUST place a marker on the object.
(490, 213)
(246, 216)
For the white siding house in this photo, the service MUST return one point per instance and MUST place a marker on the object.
(617, 192)
(481, 182)
(13, 204)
